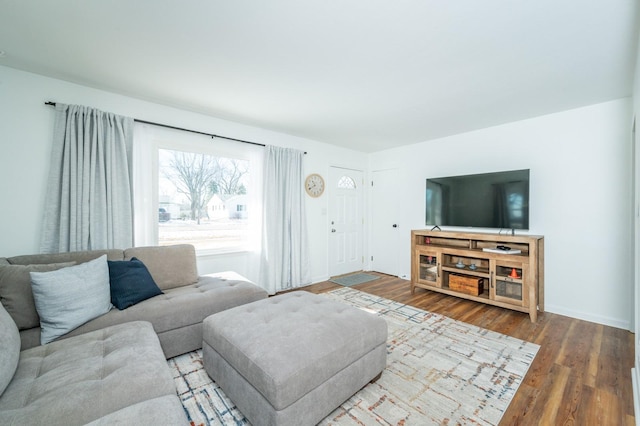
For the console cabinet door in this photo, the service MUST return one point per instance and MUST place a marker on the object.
(428, 267)
(510, 283)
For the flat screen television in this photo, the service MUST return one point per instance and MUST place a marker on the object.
(487, 200)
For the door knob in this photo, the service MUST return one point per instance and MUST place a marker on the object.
(395, 225)
(333, 230)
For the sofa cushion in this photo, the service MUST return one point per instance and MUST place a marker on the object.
(9, 348)
(170, 266)
(76, 381)
(29, 338)
(183, 306)
(130, 283)
(16, 294)
(69, 297)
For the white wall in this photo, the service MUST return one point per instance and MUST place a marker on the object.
(580, 198)
(26, 125)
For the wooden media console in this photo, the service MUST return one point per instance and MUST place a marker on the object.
(449, 262)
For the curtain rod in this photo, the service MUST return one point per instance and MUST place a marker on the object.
(186, 130)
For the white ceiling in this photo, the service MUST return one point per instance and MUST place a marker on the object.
(364, 74)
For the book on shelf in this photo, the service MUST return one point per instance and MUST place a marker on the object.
(496, 250)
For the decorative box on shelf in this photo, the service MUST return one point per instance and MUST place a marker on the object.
(466, 284)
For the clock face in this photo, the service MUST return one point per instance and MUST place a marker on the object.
(314, 185)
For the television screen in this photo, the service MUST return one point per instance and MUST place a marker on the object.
(488, 200)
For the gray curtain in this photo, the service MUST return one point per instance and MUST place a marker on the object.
(88, 201)
(285, 259)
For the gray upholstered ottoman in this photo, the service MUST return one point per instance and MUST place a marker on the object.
(292, 359)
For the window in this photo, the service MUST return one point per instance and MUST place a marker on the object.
(190, 189)
(205, 198)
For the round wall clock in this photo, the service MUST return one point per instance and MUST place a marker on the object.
(314, 185)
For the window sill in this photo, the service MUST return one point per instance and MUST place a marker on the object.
(222, 252)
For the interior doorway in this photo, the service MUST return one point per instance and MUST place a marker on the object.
(385, 226)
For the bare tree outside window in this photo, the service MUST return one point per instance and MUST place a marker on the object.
(202, 195)
(195, 176)
(231, 174)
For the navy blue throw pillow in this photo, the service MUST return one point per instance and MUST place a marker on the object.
(130, 282)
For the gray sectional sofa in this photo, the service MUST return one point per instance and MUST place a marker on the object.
(113, 368)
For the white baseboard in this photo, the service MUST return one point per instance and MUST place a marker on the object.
(316, 280)
(586, 316)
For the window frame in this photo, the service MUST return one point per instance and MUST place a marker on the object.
(151, 141)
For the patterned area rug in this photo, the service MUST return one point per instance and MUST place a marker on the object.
(439, 371)
(353, 279)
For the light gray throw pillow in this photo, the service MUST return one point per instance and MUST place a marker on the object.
(69, 297)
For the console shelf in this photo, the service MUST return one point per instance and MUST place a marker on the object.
(513, 281)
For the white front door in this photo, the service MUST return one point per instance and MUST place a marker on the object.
(346, 221)
(384, 222)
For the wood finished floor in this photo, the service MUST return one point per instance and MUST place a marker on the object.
(580, 376)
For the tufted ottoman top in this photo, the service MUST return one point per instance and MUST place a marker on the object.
(288, 345)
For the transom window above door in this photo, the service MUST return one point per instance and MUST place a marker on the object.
(346, 182)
